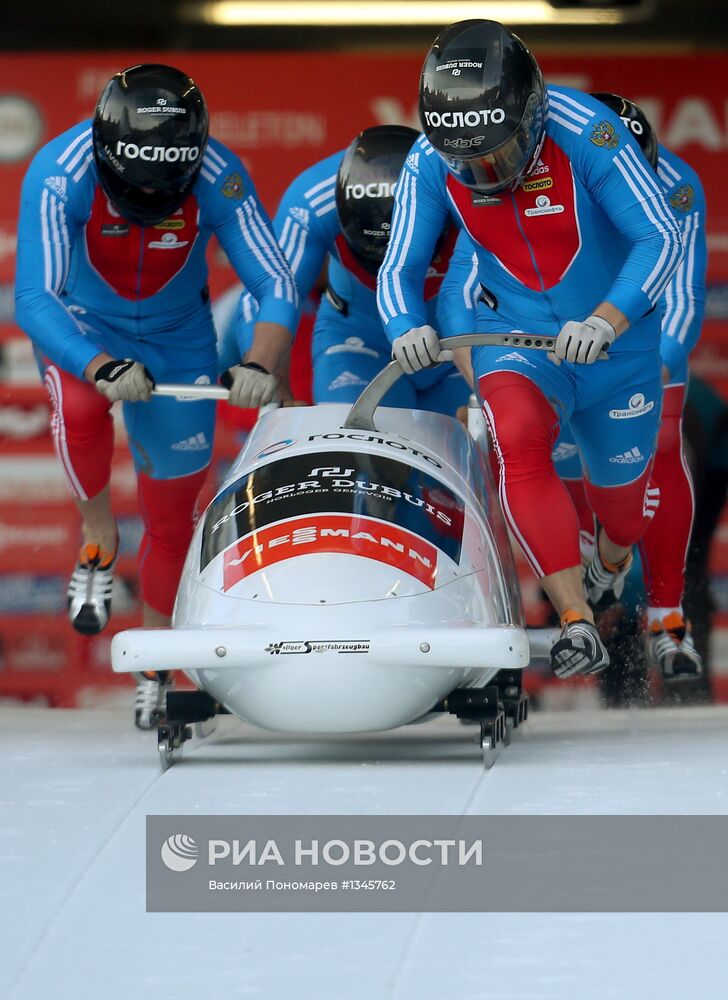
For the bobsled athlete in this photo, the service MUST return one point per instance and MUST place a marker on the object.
(111, 288)
(574, 240)
(664, 545)
(338, 212)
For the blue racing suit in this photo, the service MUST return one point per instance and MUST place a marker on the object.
(349, 345)
(590, 224)
(90, 281)
(683, 303)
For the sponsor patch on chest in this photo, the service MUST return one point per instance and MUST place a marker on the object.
(543, 206)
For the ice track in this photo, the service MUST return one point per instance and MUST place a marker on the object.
(75, 788)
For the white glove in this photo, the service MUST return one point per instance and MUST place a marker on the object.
(126, 380)
(418, 349)
(250, 385)
(582, 343)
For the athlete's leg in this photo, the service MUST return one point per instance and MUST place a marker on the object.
(168, 508)
(524, 426)
(665, 543)
(171, 443)
(664, 548)
(83, 436)
(523, 398)
(617, 449)
(567, 462)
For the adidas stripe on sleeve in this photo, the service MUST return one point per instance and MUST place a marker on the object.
(616, 174)
(54, 205)
(421, 212)
(246, 234)
(685, 294)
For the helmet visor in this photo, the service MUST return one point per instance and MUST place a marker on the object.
(506, 166)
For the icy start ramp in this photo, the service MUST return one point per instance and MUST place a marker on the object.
(75, 788)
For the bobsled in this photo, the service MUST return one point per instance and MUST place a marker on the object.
(353, 573)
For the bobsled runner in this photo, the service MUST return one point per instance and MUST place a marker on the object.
(350, 575)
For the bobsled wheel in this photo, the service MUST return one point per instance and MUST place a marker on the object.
(508, 735)
(516, 710)
(513, 699)
(493, 737)
(170, 738)
(482, 707)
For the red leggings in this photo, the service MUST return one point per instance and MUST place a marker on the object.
(664, 547)
(83, 434)
(536, 504)
(169, 512)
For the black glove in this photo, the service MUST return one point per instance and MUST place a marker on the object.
(126, 380)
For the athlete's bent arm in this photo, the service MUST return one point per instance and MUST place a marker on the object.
(270, 347)
(628, 192)
(245, 233)
(457, 301)
(305, 227)
(420, 214)
(685, 294)
(52, 213)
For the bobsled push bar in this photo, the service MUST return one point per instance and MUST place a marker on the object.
(361, 415)
(362, 412)
(189, 393)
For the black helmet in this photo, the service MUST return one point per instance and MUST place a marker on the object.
(365, 189)
(150, 133)
(636, 121)
(483, 105)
